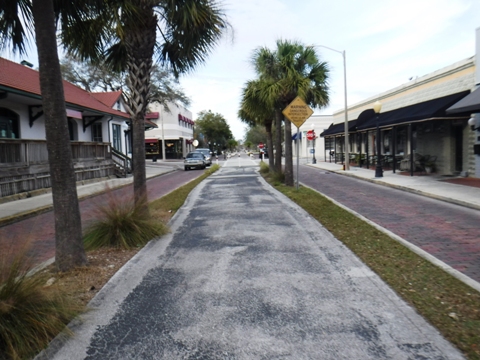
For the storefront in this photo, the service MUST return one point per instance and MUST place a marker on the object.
(173, 148)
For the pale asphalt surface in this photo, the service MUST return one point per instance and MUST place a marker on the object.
(247, 274)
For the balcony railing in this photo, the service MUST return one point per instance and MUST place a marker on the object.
(24, 164)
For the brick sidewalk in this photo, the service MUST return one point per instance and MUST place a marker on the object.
(448, 232)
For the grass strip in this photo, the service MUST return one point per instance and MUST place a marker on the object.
(446, 302)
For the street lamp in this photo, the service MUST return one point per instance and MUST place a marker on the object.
(472, 122)
(314, 161)
(378, 169)
(163, 134)
(347, 154)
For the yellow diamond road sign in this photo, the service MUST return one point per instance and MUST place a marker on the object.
(297, 112)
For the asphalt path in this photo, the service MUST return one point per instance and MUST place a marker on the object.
(447, 231)
(247, 274)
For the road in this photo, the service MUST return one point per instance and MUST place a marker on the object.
(449, 232)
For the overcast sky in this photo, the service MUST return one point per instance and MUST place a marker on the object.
(386, 43)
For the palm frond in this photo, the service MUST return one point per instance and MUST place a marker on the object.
(16, 24)
(191, 29)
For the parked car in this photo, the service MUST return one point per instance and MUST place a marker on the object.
(207, 153)
(195, 160)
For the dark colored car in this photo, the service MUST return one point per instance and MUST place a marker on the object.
(195, 160)
(207, 153)
(264, 152)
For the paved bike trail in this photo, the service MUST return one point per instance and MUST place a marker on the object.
(247, 274)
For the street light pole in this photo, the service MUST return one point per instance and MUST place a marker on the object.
(347, 143)
(378, 168)
(163, 135)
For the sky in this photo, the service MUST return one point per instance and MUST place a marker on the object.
(386, 43)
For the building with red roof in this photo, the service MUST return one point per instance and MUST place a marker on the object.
(97, 124)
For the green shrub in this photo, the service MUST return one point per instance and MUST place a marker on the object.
(122, 224)
(30, 314)
(264, 168)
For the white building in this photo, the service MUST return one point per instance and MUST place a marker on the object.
(173, 137)
(318, 123)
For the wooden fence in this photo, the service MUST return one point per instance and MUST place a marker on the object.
(24, 164)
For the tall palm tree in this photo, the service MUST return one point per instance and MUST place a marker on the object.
(292, 70)
(124, 32)
(266, 67)
(16, 25)
(254, 111)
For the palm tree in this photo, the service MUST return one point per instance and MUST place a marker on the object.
(254, 111)
(290, 71)
(124, 33)
(16, 25)
(265, 64)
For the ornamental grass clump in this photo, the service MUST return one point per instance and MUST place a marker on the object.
(122, 224)
(31, 315)
(264, 168)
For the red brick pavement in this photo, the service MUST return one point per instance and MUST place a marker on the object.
(38, 232)
(475, 182)
(449, 232)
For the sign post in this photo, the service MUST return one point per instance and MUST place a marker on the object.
(297, 112)
(311, 136)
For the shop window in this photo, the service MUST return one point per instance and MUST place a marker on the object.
(401, 140)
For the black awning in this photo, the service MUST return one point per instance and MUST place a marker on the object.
(299, 134)
(469, 104)
(364, 116)
(333, 129)
(339, 128)
(435, 108)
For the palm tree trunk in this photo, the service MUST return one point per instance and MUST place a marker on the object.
(288, 154)
(69, 250)
(268, 129)
(140, 41)
(278, 140)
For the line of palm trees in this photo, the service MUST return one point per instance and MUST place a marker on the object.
(290, 70)
(129, 35)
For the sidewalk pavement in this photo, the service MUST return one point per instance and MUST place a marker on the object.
(431, 186)
(18, 209)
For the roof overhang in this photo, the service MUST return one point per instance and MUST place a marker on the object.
(434, 109)
(469, 104)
